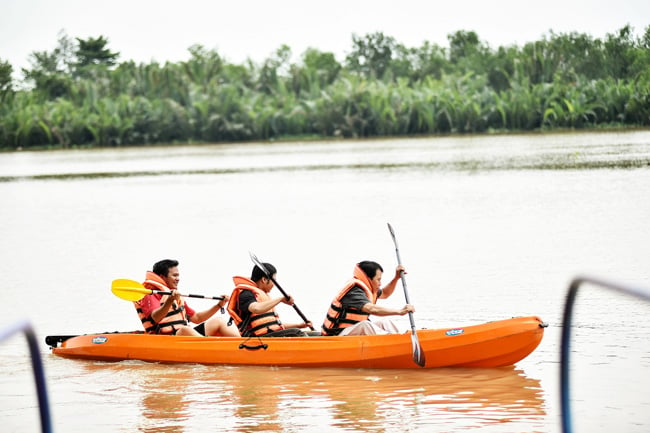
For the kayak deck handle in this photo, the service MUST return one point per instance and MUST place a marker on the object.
(259, 346)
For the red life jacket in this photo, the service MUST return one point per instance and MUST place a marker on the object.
(340, 317)
(257, 324)
(175, 316)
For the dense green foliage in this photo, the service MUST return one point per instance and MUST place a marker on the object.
(79, 95)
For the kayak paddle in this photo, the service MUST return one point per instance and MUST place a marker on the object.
(418, 354)
(260, 265)
(130, 290)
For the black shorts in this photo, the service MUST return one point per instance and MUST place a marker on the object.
(200, 328)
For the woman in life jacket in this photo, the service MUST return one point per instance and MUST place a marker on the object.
(349, 312)
(169, 314)
(253, 310)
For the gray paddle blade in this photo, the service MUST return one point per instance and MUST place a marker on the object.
(418, 353)
(259, 264)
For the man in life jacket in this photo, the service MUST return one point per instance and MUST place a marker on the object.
(253, 310)
(350, 310)
(169, 314)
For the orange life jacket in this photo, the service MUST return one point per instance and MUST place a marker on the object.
(256, 324)
(175, 316)
(340, 317)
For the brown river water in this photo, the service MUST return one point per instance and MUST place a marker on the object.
(489, 227)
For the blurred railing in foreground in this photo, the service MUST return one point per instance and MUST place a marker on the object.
(576, 284)
(37, 367)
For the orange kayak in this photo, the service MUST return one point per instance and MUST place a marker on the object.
(491, 344)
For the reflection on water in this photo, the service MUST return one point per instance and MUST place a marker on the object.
(178, 398)
(164, 405)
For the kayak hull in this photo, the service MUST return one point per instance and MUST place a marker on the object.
(492, 344)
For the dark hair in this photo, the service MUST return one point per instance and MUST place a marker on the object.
(258, 274)
(162, 267)
(370, 268)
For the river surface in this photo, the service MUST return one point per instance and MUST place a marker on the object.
(489, 227)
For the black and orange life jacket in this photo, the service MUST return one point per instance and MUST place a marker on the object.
(340, 317)
(175, 317)
(256, 324)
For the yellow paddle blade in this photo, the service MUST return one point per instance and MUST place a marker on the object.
(129, 290)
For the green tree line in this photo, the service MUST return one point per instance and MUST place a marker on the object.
(80, 95)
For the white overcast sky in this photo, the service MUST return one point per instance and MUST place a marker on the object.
(163, 30)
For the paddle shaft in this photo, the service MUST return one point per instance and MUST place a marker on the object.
(418, 354)
(295, 307)
(406, 292)
(260, 265)
(217, 298)
(161, 292)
